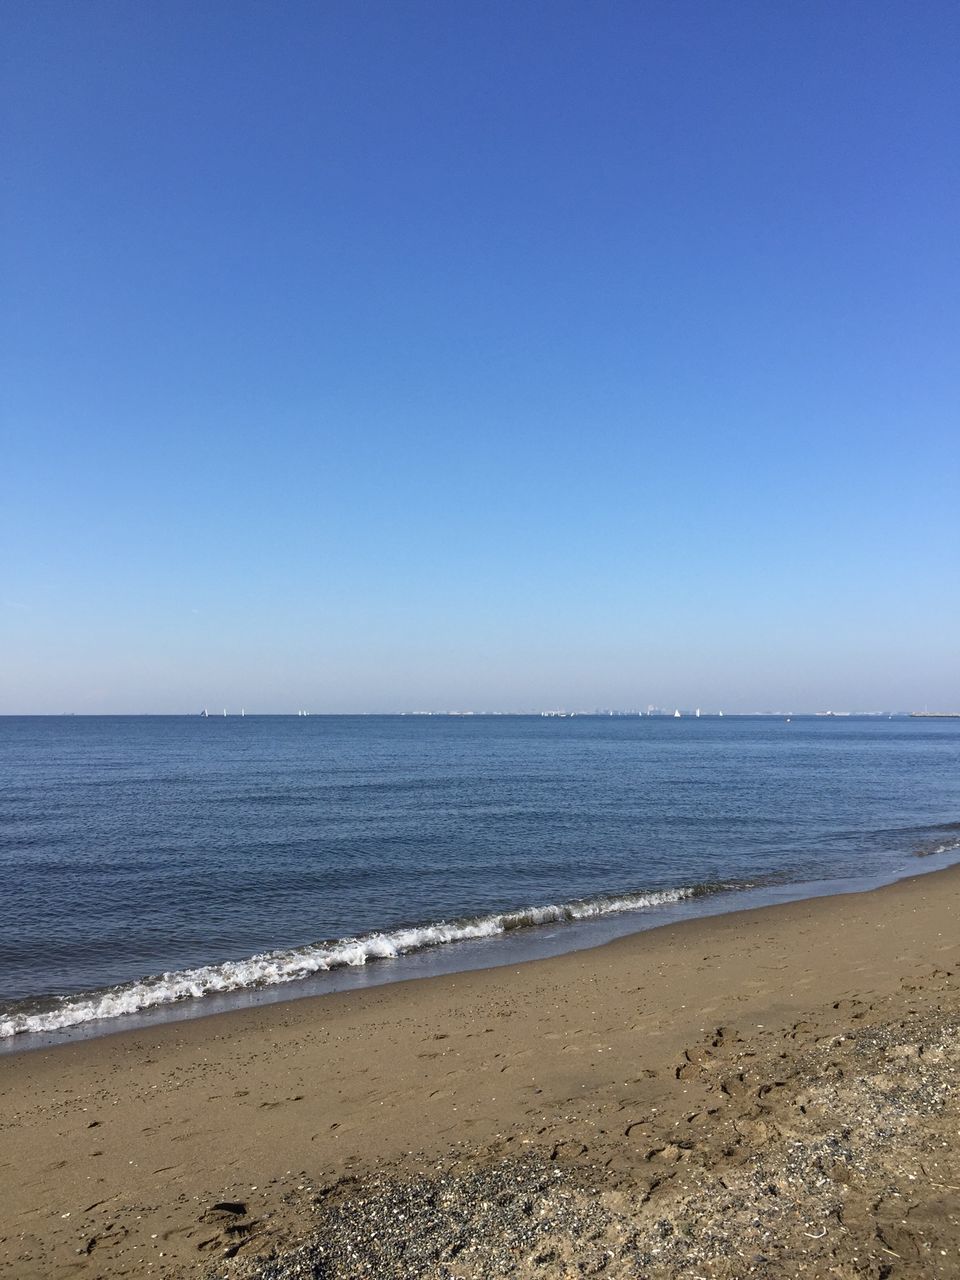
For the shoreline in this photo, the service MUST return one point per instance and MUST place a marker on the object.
(550, 938)
(117, 1148)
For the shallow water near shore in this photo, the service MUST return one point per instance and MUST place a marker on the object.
(254, 859)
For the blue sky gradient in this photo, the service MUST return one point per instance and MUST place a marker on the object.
(393, 355)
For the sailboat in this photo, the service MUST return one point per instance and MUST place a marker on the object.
(676, 714)
(204, 714)
(698, 713)
(241, 713)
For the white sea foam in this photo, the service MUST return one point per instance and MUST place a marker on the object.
(274, 967)
(950, 845)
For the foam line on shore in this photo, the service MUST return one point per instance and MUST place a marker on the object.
(950, 845)
(290, 965)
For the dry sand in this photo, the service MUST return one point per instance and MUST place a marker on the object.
(767, 1093)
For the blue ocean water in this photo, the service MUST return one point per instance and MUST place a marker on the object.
(147, 860)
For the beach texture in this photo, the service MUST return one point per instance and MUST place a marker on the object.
(769, 1093)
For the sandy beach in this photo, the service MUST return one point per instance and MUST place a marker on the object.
(768, 1093)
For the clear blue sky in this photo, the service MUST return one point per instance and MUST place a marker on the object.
(385, 355)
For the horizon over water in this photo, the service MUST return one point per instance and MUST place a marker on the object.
(181, 864)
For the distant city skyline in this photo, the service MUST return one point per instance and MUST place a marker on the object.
(621, 713)
(366, 358)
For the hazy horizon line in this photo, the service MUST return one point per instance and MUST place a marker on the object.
(540, 713)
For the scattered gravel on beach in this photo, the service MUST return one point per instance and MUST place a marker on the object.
(837, 1157)
(481, 1220)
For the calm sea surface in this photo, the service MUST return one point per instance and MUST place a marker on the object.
(147, 860)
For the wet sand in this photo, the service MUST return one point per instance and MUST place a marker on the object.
(770, 1092)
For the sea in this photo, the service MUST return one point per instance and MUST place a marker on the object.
(164, 867)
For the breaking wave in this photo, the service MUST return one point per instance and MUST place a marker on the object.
(273, 967)
(949, 845)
